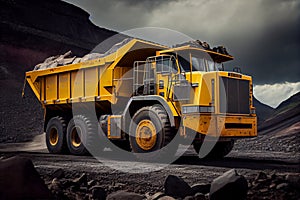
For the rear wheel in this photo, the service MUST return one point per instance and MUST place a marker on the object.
(150, 130)
(220, 150)
(55, 135)
(80, 132)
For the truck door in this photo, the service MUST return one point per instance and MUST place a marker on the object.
(166, 68)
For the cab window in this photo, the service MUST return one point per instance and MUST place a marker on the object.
(198, 64)
(166, 64)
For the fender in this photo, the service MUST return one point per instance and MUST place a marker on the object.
(149, 98)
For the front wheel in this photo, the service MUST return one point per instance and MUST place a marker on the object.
(150, 130)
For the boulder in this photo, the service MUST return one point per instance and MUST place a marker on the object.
(230, 185)
(177, 187)
(20, 180)
(124, 195)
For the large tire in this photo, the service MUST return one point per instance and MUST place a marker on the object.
(150, 130)
(56, 135)
(220, 150)
(80, 132)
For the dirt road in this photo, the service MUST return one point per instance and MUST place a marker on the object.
(189, 166)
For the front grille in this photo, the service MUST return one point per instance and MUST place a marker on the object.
(234, 96)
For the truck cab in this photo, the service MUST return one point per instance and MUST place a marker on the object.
(206, 101)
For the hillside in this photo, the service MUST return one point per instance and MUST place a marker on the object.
(284, 116)
(289, 104)
(263, 111)
(32, 30)
(280, 131)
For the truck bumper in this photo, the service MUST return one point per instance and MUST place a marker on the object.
(220, 125)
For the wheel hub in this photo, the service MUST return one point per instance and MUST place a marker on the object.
(53, 136)
(75, 136)
(145, 135)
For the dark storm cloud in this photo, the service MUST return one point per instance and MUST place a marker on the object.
(271, 53)
(263, 35)
(120, 15)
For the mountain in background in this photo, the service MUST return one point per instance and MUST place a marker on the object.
(291, 103)
(285, 118)
(263, 111)
(30, 32)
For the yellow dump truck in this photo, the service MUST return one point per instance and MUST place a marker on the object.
(143, 95)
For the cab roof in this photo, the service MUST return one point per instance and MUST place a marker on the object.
(217, 57)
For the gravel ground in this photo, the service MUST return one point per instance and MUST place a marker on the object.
(289, 143)
(263, 183)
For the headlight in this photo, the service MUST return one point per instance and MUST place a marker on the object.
(197, 109)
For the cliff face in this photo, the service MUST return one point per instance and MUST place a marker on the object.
(30, 31)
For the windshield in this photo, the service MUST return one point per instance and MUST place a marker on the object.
(198, 64)
(201, 64)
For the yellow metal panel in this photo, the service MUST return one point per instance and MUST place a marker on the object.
(37, 85)
(77, 83)
(42, 91)
(109, 134)
(163, 78)
(51, 88)
(123, 81)
(105, 83)
(214, 125)
(202, 94)
(106, 77)
(206, 89)
(91, 82)
(64, 86)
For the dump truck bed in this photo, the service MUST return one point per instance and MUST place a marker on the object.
(90, 80)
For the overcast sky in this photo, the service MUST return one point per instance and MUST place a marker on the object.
(262, 35)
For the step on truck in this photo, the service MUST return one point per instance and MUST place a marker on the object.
(143, 95)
